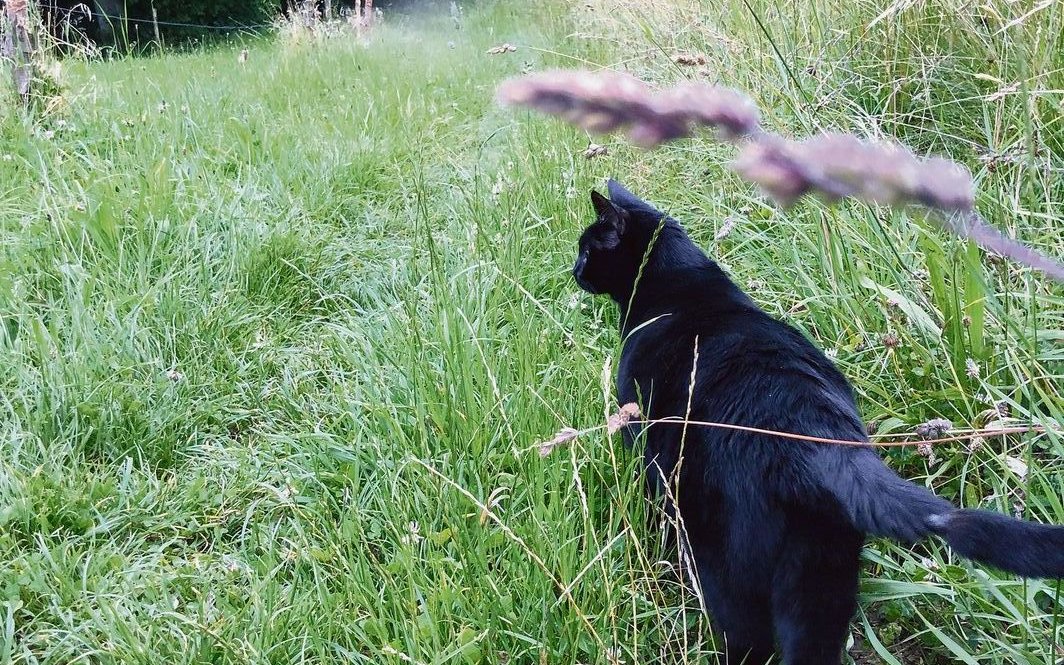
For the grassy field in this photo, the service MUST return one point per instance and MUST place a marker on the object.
(279, 338)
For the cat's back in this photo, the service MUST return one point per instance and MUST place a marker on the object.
(690, 337)
(719, 350)
(686, 321)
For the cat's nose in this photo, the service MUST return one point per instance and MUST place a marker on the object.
(578, 268)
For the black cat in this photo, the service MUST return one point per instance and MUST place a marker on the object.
(774, 526)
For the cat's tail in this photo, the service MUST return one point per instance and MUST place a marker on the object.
(1017, 546)
(882, 503)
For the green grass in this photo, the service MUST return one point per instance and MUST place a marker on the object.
(275, 335)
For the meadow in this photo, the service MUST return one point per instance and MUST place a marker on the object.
(279, 338)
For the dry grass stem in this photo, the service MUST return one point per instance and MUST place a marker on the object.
(931, 432)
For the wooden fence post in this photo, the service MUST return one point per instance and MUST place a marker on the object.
(19, 46)
(155, 26)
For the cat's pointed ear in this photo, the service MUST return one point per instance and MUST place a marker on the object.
(608, 212)
(620, 193)
(601, 203)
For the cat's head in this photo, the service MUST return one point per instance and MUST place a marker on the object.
(613, 247)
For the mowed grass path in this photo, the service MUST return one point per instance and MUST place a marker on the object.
(278, 340)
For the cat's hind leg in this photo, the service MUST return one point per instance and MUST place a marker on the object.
(814, 599)
(745, 622)
(747, 634)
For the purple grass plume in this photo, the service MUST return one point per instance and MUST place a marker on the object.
(609, 101)
(837, 166)
(564, 435)
(624, 415)
(834, 166)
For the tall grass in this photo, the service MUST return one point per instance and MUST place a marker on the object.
(279, 338)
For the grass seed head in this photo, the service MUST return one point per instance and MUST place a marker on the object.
(564, 435)
(595, 150)
(501, 49)
(604, 102)
(618, 420)
(935, 428)
(689, 59)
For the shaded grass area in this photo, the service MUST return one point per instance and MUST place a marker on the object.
(246, 308)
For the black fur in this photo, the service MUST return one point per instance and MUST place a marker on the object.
(774, 526)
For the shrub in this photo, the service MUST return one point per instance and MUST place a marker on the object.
(238, 13)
